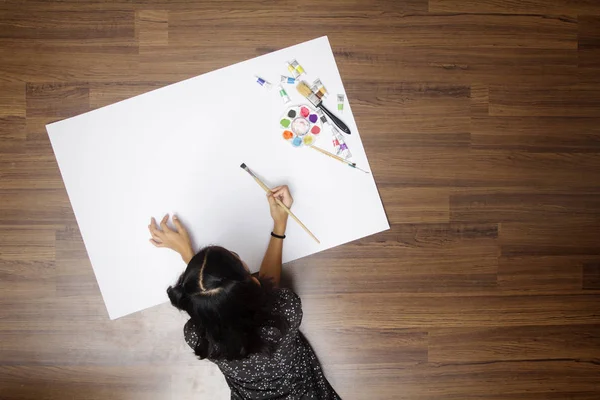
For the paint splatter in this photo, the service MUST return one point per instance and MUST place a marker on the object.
(287, 135)
(292, 113)
(304, 112)
(313, 118)
(315, 130)
(285, 122)
(297, 142)
(308, 140)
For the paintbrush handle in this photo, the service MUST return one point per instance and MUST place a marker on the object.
(291, 214)
(320, 150)
(343, 127)
(287, 210)
(349, 163)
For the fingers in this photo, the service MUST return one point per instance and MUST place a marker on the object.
(283, 194)
(180, 228)
(280, 191)
(178, 224)
(156, 244)
(153, 228)
(163, 224)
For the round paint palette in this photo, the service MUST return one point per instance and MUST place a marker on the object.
(300, 125)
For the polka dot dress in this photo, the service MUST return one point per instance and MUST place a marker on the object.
(291, 373)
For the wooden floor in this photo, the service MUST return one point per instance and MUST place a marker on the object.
(481, 120)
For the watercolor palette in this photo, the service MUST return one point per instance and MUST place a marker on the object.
(300, 125)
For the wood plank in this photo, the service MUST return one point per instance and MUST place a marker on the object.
(589, 41)
(576, 100)
(380, 347)
(458, 167)
(71, 60)
(58, 382)
(536, 134)
(58, 100)
(481, 126)
(542, 274)
(472, 345)
(415, 205)
(12, 134)
(465, 260)
(396, 310)
(152, 27)
(512, 7)
(550, 238)
(12, 99)
(39, 207)
(591, 275)
(522, 206)
(417, 29)
(523, 380)
(457, 64)
(26, 244)
(48, 25)
(26, 172)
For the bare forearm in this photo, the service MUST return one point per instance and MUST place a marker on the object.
(271, 264)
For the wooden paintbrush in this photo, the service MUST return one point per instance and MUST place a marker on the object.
(349, 163)
(287, 210)
(305, 91)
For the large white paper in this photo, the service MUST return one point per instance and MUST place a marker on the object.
(179, 149)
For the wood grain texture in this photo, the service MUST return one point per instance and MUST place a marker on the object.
(544, 7)
(480, 120)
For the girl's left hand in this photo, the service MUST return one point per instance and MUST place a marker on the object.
(178, 240)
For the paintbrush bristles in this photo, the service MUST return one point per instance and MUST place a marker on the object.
(305, 91)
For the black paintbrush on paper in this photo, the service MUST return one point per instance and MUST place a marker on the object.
(305, 91)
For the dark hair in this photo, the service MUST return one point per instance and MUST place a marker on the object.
(227, 307)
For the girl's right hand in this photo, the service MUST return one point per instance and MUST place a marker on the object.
(278, 213)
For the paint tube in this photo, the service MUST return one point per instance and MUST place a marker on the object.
(297, 67)
(341, 149)
(284, 95)
(262, 82)
(340, 103)
(292, 70)
(319, 89)
(322, 116)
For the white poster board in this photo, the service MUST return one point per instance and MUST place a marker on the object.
(179, 149)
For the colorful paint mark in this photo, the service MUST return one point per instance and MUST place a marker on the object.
(287, 135)
(301, 126)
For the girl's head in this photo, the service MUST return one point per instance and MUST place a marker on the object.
(226, 305)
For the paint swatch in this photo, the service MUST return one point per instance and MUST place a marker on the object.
(300, 125)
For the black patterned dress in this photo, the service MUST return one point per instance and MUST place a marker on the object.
(292, 372)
